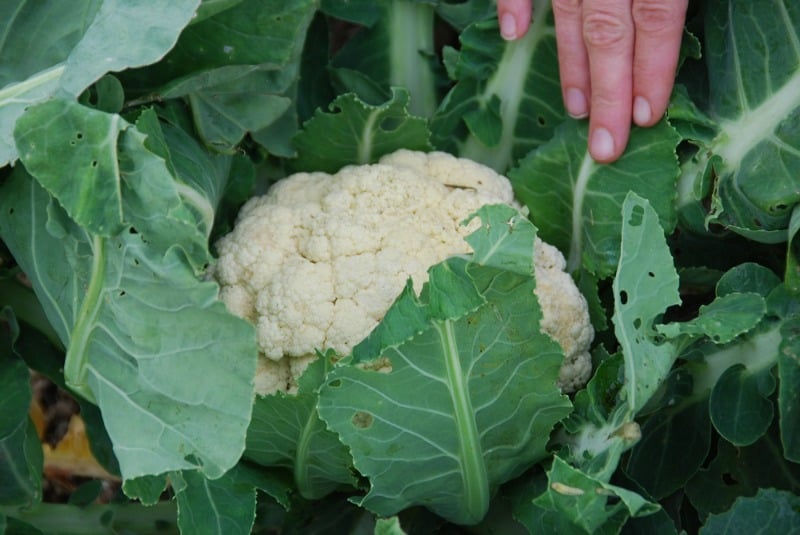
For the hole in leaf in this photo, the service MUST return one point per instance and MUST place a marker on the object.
(729, 480)
(637, 216)
(362, 420)
(541, 121)
(336, 383)
(623, 297)
(94, 163)
(778, 208)
(79, 135)
(651, 274)
(637, 323)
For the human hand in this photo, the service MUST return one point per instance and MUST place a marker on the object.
(617, 60)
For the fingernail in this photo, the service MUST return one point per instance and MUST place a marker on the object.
(508, 26)
(575, 101)
(642, 113)
(601, 144)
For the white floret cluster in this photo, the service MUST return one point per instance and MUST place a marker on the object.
(317, 261)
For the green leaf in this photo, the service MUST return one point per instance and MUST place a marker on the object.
(645, 286)
(748, 277)
(596, 402)
(507, 96)
(753, 61)
(576, 203)
(222, 505)
(388, 526)
(20, 449)
(58, 134)
(94, 519)
(118, 177)
(738, 378)
(578, 503)
(723, 319)
(503, 240)
(354, 132)
(238, 70)
(741, 408)
(286, 432)
(364, 12)
(769, 511)
(271, 482)
(736, 471)
(54, 49)
(444, 420)
(147, 489)
(789, 389)
(401, 53)
(653, 463)
(128, 311)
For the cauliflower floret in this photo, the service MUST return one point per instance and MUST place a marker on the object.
(317, 261)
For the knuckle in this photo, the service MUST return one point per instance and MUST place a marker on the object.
(566, 8)
(653, 16)
(605, 30)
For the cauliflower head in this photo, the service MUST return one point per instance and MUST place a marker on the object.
(317, 261)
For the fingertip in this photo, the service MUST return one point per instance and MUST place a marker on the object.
(514, 17)
(576, 103)
(508, 26)
(606, 145)
(642, 111)
(602, 146)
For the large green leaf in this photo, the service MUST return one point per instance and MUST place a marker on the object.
(238, 70)
(577, 503)
(470, 398)
(576, 203)
(507, 97)
(769, 511)
(685, 428)
(740, 404)
(147, 340)
(753, 60)
(397, 51)
(354, 132)
(735, 471)
(223, 505)
(287, 432)
(645, 286)
(57, 48)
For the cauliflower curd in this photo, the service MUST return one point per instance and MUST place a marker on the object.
(317, 261)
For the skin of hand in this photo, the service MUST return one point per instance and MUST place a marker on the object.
(617, 61)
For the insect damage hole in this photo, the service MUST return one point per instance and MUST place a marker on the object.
(623, 297)
(637, 216)
(362, 420)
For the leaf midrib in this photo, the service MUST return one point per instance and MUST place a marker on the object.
(473, 469)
